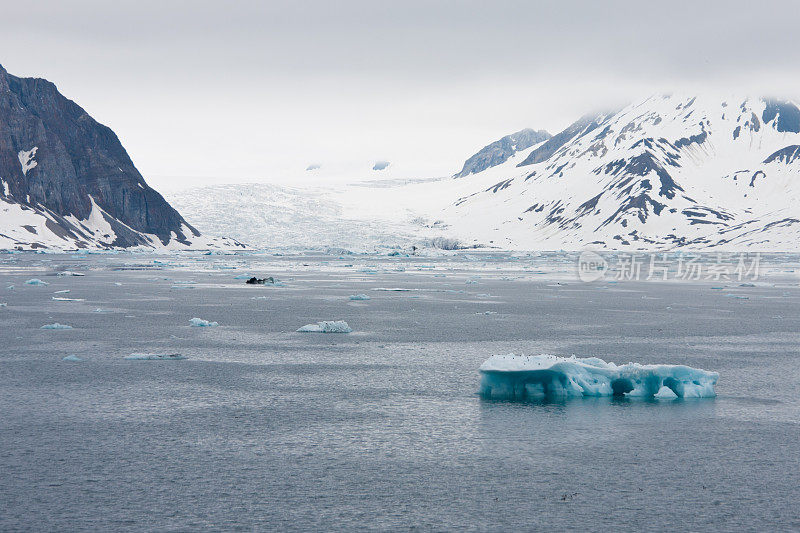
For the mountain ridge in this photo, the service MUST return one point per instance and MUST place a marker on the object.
(670, 171)
(67, 181)
(499, 151)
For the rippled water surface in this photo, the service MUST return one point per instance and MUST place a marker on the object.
(265, 428)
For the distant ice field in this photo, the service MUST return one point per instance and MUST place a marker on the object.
(261, 427)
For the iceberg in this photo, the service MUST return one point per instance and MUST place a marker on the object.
(326, 326)
(69, 273)
(200, 323)
(63, 299)
(155, 357)
(36, 282)
(519, 377)
(56, 325)
(359, 297)
(72, 357)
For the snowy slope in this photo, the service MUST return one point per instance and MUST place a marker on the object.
(670, 171)
(27, 227)
(665, 173)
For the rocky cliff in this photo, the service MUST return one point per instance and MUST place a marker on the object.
(66, 179)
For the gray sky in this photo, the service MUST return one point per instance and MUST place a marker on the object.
(255, 91)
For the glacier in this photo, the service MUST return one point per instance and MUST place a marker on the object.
(326, 326)
(520, 377)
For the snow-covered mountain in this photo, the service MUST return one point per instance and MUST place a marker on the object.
(499, 151)
(67, 182)
(670, 171)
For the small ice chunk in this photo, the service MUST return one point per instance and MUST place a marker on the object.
(63, 299)
(56, 325)
(3, 304)
(36, 282)
(326, 326)
(155, 357)
(62, 292)
(69, 273)
(359, 297)
(72, 357)
(200, 323)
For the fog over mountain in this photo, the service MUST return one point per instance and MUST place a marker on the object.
(417, 83)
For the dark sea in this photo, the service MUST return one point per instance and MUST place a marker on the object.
(262, 428)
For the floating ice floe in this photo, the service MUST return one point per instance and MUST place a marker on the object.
(359, 297)
(200, 323)
(72, 357)
(517, 377)
(36, 282)
(63, 299)
(326, 326)
(56, 325)
(3, 304)
(155, 357)
(69, 273)
(65, 291)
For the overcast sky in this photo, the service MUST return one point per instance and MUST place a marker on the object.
(209, 91)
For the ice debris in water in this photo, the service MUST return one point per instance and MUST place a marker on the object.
(72, 357)
(155, 357)
(56, 325)
(200, 323)
(359, 297)
(36, 282)
(326, 326)
(517, 377)
(69, 273)
(63, 299)
(3, 304)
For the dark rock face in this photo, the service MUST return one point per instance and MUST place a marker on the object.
(499, 151)
(53, 155)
